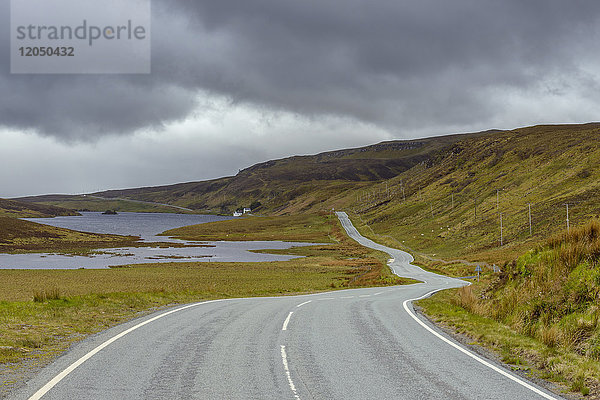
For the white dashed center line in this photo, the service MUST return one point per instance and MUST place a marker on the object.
(306, 302)
(287, 321)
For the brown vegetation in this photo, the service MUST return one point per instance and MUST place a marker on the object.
(18, 236)
(551, 294)
(12, 208)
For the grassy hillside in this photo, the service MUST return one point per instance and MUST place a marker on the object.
(451, 206)
(291, 185)
(446, 197)
(18, 236)
(91, 203)
(12, 208)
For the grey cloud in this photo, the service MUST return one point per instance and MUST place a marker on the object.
(396, 64)
(85, 107)
(378, 60)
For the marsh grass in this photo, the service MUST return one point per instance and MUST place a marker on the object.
(298, 228)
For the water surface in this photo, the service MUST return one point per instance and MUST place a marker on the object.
(147, 226)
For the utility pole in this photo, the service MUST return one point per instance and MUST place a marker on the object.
(501, 231)
(497, 200)
(453, 201)
(475, 208)
(403, 194)
(568, 227)
(431, 204)
(530, 230)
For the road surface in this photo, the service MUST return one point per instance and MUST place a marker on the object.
(351, 344)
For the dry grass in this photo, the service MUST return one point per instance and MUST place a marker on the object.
(45, 295)
(204, 279)
(571, 371)
(298, 228)
(551, 294)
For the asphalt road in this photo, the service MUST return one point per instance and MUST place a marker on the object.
(351, 344)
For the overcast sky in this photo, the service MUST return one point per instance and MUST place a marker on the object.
(235, 82)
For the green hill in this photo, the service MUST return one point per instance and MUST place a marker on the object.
(452, 203)
(290, 185)
(99, 204)
(13, 208)
(443, 196)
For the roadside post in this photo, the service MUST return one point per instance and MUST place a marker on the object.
(478, 270)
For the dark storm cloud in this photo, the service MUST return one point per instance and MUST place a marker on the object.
(398, 64)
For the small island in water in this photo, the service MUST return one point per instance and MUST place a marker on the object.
(109, 212)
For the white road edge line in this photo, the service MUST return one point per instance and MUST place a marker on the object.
(468, 353)
(41, 392)
(306, 302)
(287, 372)
(287, 321)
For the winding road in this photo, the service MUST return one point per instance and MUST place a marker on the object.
(351, 344)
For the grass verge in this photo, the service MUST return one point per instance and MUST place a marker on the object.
(524, 354)
(540, 312)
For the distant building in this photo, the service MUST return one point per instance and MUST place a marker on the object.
(237, 214)
(247, 210)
